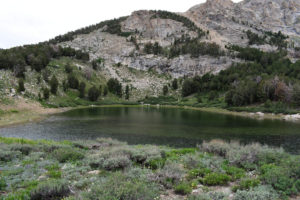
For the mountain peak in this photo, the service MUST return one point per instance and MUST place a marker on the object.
(220, 2)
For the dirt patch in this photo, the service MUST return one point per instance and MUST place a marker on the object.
(23, 110)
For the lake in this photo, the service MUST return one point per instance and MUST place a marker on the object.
(175, 127)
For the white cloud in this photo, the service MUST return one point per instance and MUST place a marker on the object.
(32, 21)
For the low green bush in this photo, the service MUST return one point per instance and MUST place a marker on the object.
(279, 178)
(116, 163)
(56, 174)
(51, 190)
(7, 156)
(25, 149)
(216, 179)
(216, 147)
(119, 186)
(155, 163)
(197, 173)
(171, 174)
(209, 196)
(234, 172)
(2, 183)
(67, 154)
(257, 193)
(246, 184)
(143, 155)
(183, 188)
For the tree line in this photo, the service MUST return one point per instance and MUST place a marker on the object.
(270, 76)
(36, 56)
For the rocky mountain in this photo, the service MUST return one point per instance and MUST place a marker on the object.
(148, 49)
(229, 20)
(224, 21)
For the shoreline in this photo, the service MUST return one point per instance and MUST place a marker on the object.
(37, 113)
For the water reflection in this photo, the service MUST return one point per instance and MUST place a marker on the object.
(162, 126)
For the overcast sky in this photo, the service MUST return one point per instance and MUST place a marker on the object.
(32, 21)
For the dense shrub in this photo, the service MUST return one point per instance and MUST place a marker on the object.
(93, 93)
(175, 84)
(246, 184)
(68, 68)
(50, 190)
(119, 186)
(116, 162)
(165, 90)
(257, 193)
(145, 155)
(82, 90)
(2, 183)
(25, 149)
(21, 87)
(155, 48)
(198, 173)
(209, 196)
(46, 93)
(216, 147)
(73, 81)
(234, 172)
(53, 85)
(114, 86)
(183, 188)
(279, 178)
(67, 154)
(216, 179)
(247, 156)
(127, 92)
(6, 155)
(171, 174)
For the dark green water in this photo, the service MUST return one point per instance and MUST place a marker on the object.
(162, 126)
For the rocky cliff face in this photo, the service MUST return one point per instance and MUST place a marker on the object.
(229, 20)
(120, 50)
(226, 22)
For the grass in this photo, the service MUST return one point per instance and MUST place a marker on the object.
(42, 169)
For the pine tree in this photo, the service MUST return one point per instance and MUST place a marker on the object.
(127, 92)
(53, 85)
(175, 84)
(21, 87)
(93, 94)
(165, 90)
(82, 90)
(46, 93)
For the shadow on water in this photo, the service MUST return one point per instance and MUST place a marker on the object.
(161, 126)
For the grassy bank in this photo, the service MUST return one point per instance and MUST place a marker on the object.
(218, 105)
(108, 169)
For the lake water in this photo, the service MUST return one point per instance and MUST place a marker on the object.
(162, 126)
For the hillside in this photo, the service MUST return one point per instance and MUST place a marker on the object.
(218, 53)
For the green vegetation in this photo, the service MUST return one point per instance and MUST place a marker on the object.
(186, 22)
(183, 46)
(56, 170)
(54, 85)
(114, 86)
(93, 94)
(21, 87)
(165, 90)
(276, 39)
(270, 80)
(37, 56)
(82, 90)
(113, 27)
(46, 93)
